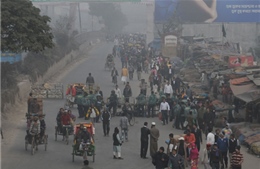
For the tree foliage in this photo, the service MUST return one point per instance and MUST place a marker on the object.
(112, 16)
(23, 28)
(64, 36)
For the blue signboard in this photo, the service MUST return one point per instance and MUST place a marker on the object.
(11, 57)
(199, 11)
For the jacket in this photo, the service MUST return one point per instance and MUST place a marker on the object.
(113, 98)
(124, 122)
(106, 116)
(215, 156)
(152, 99)
(144, 134)
(65, 119)
(175, 162)
(141, 99)
(160, 160)
(222, 144)
(90, 79)
(35, 128)
(190, 138)
(116, 139)
(127, 92)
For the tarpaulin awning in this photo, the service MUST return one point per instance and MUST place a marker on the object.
(255, 80)
(247, 93)
(239, 80)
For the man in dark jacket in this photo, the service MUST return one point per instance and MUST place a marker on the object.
(175, 160)
(90, 80)
(144, 140)
(127, 92)
(113, 100)
(215, 157)
(105, 117)
(198, 135)
(160, 159)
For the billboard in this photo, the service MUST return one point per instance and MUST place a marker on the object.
(207, 11)
(243, 61)
(11, 57)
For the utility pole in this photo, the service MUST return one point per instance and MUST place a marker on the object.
(79, 18)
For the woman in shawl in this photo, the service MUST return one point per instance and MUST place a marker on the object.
(194, 156)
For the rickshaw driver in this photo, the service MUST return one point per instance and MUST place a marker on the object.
(82, 137)
(110, 59)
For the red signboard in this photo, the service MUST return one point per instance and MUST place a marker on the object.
(243, 61)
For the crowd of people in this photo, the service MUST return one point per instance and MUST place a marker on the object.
(176, 104)
(170, 96)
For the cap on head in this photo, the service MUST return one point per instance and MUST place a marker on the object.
(181, 138)
(153, 123)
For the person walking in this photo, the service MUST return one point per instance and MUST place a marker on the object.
(198, 135)
(205, 157)
(160, 159)
(145, 132)
(105, 117)
(117, 144)
(154, 136)
(139, 71)
(233, 143)
(215, 157)
(90, 81)
(168, 89)
(237, 159)
(124, 127)
(175, 160)
(164, 109)
(151, 104)
(124, 74)
(223, 147)
(194, 156)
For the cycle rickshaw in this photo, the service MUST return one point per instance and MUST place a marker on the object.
(88, 148)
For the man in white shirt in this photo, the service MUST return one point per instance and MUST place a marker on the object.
(118, 92)
(164, 109)
(210, 138)
(168, 89)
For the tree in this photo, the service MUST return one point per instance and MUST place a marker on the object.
(112, 16)
(173, 25)
(23, 28)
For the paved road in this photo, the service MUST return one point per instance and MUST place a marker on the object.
(58, 154)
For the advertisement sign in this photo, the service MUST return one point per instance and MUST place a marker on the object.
(170, 40)
(199, 11)
(243, 61)
(11, 57)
